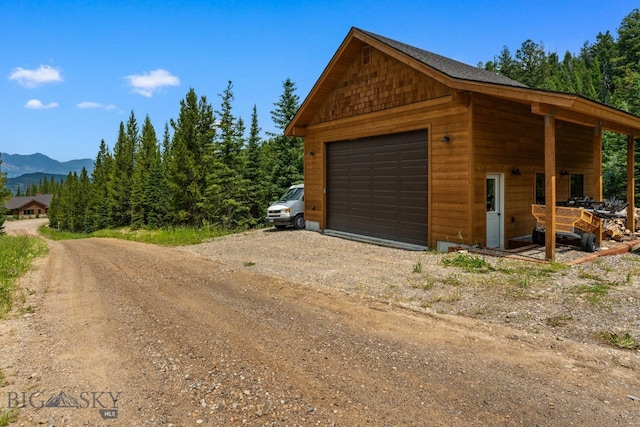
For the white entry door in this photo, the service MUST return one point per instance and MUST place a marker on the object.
(495, 207)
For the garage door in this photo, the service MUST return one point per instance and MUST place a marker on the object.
(378, 187)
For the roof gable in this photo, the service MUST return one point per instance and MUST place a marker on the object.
(20, 201)
(376, 83)
(459, 77)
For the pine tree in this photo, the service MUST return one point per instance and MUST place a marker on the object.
(147, 150)
(62, 213)
(83, 203)
(123, 168)
(185, 162)
(54, 213)
(166, 143)
(226, 191)
(253, 174)
(100, 206)
(156, 193)
(288, 161)
(629, 43)
(604, 52)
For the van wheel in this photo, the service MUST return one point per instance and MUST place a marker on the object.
(298, 222)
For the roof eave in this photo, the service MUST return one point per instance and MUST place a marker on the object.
(564, 106)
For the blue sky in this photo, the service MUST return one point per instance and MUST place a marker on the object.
(73, 70)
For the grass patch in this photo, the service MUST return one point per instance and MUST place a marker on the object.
(249, 263)
(451, 297)
(589, 276)
(168, 236)
(9, 416)
(16, 255)
(625, 341)
(470, 263)
(28, 309)
(417, 268)
(426, 285)
(452, 280)
(598, 288)
(594, 288)
(557, 321)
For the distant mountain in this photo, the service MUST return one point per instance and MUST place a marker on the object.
(19, 164)
(23, 181)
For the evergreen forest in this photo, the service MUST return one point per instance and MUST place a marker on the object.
(210, 168)
(206, 169)
(606, 71)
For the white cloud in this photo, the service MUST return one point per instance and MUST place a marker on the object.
(34, 78)
(90, 104)
(36, 104)
(148, 83)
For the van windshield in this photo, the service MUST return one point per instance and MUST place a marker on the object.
(292, 194)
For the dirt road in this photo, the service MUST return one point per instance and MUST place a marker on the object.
(119, 333)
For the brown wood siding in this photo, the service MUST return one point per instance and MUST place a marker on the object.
(35, 207)
(507, 135)
(449, 175)
(379, 85)
(424, 103)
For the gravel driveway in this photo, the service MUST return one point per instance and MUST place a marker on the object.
(585, 302)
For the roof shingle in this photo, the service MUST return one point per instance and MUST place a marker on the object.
(18, 202)
(450, 67)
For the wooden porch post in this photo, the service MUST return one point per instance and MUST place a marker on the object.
(597, 163)
(550, 185)
(631, 223)
(597, 170)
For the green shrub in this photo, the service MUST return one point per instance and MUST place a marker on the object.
(471, 263)
(626, 341)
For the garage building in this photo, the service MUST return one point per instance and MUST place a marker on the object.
(406, 146)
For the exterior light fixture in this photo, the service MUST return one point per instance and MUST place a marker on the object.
(564, 172)
(515, 171)
(446, 139)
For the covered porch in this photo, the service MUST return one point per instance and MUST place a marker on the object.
(600, 118)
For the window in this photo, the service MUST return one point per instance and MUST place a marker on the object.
(539, 189)
(491, 195)
(576, 190)
(28, 212)
(577, 186)
(366, 55)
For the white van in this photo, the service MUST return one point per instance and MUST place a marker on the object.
(289, 209)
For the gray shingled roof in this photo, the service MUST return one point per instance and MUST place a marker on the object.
(18, 202)
(450, 67)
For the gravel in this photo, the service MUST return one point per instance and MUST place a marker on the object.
(586, 302)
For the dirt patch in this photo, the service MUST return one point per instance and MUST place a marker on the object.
(247, 332)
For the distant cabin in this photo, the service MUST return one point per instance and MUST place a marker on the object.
(29, 206)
